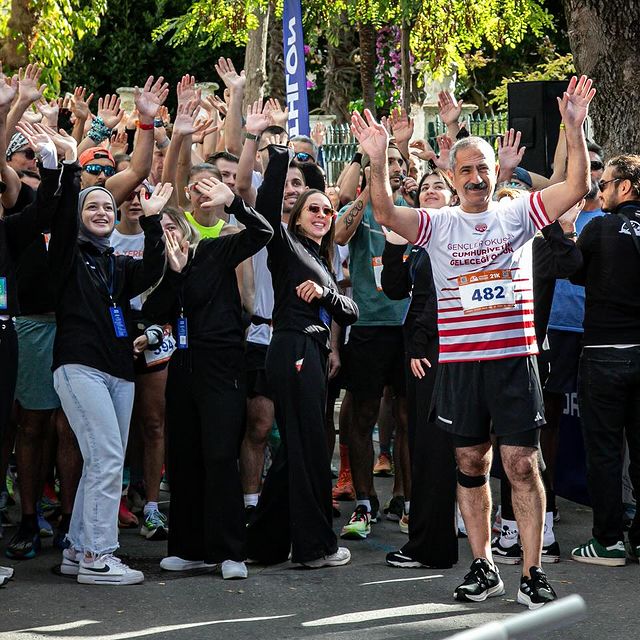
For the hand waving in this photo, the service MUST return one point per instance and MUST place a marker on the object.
(510, 153)
(159, 198)
(449, 109)
(279, 115)
(177, 252)
(401, 125)
(574, 104)
(66, 145)
(373, 137)
(8, 90)
(36, 138)
(80, 104)
(233, 80)
(151, 97)
(109, 110)
(258, 118)
(186, 89)
(187, 122)
(28, 89)
(217, 193)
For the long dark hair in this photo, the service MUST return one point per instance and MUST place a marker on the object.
(328, 240)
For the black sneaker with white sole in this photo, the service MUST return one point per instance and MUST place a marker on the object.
(399, 559)
(551, 553)
(505, 555)
(535, 591)
(483, 581)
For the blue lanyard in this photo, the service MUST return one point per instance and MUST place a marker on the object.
(109, 286)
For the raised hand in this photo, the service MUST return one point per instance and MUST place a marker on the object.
(216, 192)
(318, 133)
(258, 118)
(574, 104)
(309, 290)
(151, 97)
(278, 139)
(233, 80)
(401, 125)
(109, 110)
(80, 104)
(214, 104)
(444, 146)
(8, 90)
(66, 145)
(373, 137)
(279, 115)
(186, 89)
(449, 109)
(118, 143)
(177, 252)
(510, 153)
(187, 122)
(49, 111)
(37, 140)
(164, 115)
(29, 89)
(158, 200)
(423, 150)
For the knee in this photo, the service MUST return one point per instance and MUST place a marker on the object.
(473, 465)
(153, 429)
(258, 430)
(522, 469)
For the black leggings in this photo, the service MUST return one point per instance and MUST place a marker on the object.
(205, 422)
(8, 371)
(294, 511)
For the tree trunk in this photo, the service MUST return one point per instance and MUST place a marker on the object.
(15, 49)
(367, 34)
(275, 58)
(340, 73)
(604, 36)
(255, 58)
(405, 53)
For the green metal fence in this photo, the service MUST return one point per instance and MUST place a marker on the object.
(340, 145)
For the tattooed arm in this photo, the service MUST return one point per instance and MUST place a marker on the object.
(348, 222)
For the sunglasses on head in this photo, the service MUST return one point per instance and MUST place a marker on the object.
(327, 211)
(301, 156)
(596, 165)
(29, 154)
(97, 169)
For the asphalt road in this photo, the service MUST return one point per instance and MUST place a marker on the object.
(365, 600)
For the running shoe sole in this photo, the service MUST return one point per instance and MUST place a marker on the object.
(408, 564)
(84, 578)
(524, 599)
(604, 562)
(161, 533)
(491, 592)
(349, 534)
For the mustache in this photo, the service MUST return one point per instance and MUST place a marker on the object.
(472, 186)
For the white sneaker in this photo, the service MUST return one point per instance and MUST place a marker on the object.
(340, 557)
(174, 563)
(70, 565)
(6, 572)
(107, 569)
(232, 570)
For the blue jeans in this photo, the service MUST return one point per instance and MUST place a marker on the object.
(98, 407)
(609, 399)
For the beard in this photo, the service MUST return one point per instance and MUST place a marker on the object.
(593, 190)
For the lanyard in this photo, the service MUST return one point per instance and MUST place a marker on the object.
(109, 286)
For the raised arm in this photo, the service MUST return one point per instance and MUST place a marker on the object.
(348, 222)
(374, 139)
(235, 82)
(450, 111)
(29, 91)
(402, 128)
(574, 108)
(8, 90)
(148, 101)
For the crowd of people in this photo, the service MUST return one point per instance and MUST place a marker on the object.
(194, 281)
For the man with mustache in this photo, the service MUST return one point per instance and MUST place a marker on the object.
(487, 376)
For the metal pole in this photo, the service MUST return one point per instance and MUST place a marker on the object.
(530, 624)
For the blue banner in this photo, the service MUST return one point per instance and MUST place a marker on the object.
(295, 74)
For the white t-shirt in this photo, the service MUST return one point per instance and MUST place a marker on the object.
(129, 245)
(482, 271)
(263, 298)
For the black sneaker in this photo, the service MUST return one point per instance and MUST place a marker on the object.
(482, 582)
(249, 510)
(399, 559)
(551, 553)
(535, 591)
(394, 509)
(23, 546)
(505, 555)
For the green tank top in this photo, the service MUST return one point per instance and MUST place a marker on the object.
(205, 232)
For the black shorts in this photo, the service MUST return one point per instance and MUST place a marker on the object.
(560, 361)
(374, 360)
(255, 356)
(474, 399)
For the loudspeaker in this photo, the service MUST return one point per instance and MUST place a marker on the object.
(533, 110)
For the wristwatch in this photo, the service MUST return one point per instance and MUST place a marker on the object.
(570, 234)
(251, 136)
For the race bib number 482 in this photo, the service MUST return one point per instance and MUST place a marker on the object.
(486, 290)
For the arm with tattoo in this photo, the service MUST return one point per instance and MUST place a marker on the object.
(348, 223)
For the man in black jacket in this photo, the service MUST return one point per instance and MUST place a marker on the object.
(609, 371)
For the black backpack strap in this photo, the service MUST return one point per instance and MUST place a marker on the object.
(632, 231)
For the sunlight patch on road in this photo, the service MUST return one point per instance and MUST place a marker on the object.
(365, 584)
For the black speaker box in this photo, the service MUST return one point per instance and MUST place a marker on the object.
(533, 110)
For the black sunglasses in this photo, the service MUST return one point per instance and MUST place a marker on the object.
(97, 169)
(301, 156)
(602, 184)
(596, 165)
(29, 154)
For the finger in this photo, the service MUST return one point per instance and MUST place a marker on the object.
(426, 362)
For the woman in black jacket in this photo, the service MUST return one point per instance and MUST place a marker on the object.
(295, 508)
(93, 361)
(205, 387)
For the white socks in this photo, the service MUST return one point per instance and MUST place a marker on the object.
(366, 503)
(549, 537)
(251, 499)
(150, 506)
(508, 533)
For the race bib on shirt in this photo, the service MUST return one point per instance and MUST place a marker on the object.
(376, 263)
(163, 352)
(485, 290)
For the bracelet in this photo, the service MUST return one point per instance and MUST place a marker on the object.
(357, 158)
(164, 144)
(157, 122)
(98, 131)
(144, 127)
(251, 136)
(570, 234)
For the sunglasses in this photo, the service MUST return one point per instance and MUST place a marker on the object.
(301, 156)
(602, 184)
(97, 169)
(316, 208)
(596, 165)
(29, 154)
(139, 193)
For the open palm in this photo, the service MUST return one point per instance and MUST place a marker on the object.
(574, 104)
(371, 135)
